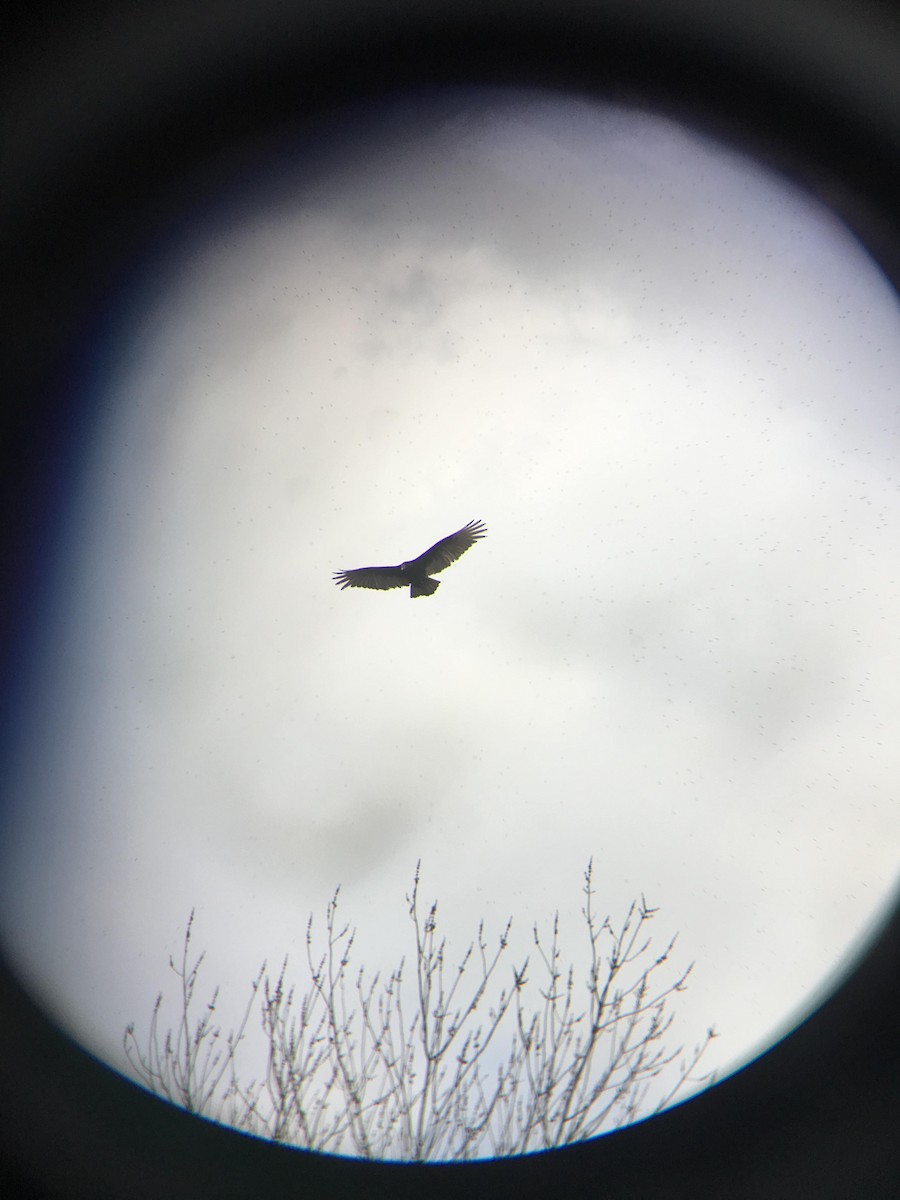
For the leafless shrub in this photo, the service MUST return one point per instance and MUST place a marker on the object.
(189, 1065)
(357, 1067)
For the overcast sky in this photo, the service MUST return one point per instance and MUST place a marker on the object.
(667, 381)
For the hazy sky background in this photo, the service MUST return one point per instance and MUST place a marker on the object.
(667, 381)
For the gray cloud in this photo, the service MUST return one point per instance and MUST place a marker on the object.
(667, 382)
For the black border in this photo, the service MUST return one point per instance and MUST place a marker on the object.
(106, 111)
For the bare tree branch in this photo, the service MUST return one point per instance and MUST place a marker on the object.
(351, 1068)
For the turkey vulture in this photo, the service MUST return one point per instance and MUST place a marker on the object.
(416, 572)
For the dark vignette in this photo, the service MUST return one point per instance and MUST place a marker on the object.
(112, 117)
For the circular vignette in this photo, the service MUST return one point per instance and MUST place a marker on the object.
(111, 121)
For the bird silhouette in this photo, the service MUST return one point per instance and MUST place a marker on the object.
(416, 572)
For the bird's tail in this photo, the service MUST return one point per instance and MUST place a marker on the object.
(424, 587)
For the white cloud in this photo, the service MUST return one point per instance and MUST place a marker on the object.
(667, 382)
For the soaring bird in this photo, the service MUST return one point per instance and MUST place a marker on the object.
(415, 572)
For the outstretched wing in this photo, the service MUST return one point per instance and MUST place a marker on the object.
(449, 549)
(381, 578)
